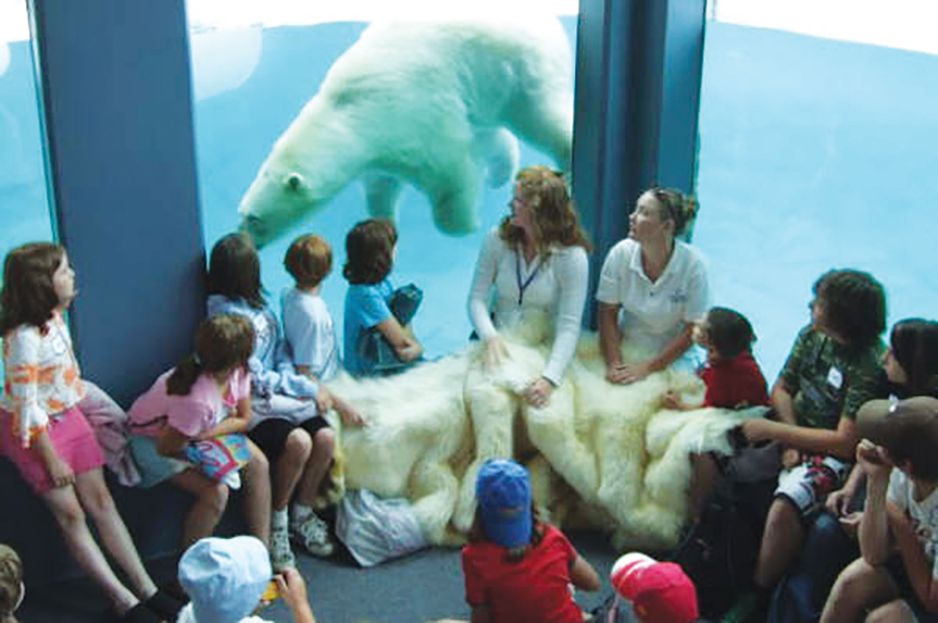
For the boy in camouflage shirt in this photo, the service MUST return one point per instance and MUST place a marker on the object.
(833, 368)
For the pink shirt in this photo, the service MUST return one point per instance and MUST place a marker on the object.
(192, 415)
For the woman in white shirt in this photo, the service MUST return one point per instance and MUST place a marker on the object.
(536, 260)
(652, 288)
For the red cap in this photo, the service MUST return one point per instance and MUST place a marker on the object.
(660, 592)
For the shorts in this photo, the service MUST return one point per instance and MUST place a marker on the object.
(72, 438)
(154, 468)
(271, 434)
(896, 569)
(807, 485)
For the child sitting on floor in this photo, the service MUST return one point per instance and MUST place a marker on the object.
(226, 579)
(12, 590)
(307, 323)
(896, 577)
(517, 569)
(731, 374)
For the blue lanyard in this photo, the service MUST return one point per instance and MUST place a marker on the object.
(522, 286)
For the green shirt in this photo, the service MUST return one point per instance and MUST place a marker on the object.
(828, 380)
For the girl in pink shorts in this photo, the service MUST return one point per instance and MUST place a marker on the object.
(48, 439)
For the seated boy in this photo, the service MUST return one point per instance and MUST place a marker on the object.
(307, 323)
(832, 369)
(898, 455)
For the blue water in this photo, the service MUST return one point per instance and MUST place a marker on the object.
(234, 133)
(813, 154)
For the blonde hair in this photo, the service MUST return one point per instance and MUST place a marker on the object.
(555, 218)
(11, 581)
(675, 206)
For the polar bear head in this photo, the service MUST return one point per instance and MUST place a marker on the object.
(273, 203)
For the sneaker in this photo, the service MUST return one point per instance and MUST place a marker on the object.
(281, 556)
(313, 534)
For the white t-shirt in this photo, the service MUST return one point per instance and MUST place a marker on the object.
(555, 284)
(310, 332)
(653, 314)
(924, 514)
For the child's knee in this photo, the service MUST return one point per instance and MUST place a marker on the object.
(216, 498)
(70, 517)
(97, 501)
(896, 611)
(324, 442)
(258, 462)
(298, 446)
(855, 580)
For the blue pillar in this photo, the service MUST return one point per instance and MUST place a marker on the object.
(638, 81)
(117, 110)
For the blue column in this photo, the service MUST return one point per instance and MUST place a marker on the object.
(637, 99)
(117, 109)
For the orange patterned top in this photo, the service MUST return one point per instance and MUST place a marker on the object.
(42, 376)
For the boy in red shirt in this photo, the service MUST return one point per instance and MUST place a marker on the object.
(517, 569)
(731, 374)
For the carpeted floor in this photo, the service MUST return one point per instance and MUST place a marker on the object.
(423, 587)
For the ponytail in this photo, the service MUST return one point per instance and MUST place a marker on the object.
(676, 207)
(184, 376)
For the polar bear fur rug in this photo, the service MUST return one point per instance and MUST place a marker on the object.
(603, 454)
(438, 104)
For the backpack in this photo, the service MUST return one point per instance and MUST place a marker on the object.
(719, 553)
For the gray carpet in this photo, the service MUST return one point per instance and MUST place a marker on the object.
(422, 587)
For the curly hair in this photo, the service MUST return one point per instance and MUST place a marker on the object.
(222, 342)
(853, 304)
(308, 260)
(28, 295)
(914, 343)
(369, 251)
(555, 218)
(675, 206)
(234, 270)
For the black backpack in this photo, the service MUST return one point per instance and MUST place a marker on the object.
(719, 553)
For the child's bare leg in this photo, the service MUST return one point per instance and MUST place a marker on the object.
(97, 502)
(67, 510)
(896, 611)
(781, 543)
(289, 468)
(211, 498)
(704, 477)
(858, 587)
(256, 475)
(319, 460)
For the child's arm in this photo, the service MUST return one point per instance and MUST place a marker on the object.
(60, 472)
(874, 529)
(405, 345)
(841, 442)
(838, 502)
(171, 443)
(293, 589)
(917, 568)
(583, 576)
(238, 422)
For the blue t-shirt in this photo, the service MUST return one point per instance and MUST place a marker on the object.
(366, 305)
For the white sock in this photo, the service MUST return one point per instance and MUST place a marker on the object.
(278, 519)
(300, 512)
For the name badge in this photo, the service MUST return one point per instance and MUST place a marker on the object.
(835, 378)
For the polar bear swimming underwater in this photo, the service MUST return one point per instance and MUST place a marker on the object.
(437, 104)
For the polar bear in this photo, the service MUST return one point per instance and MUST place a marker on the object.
(437, 104)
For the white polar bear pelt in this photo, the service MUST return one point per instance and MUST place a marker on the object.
(603, 452)
(437, 104)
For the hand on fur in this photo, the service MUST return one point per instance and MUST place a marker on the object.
(324, 400)
(494, 352)
(616, 374)
(538, 393)
(757, 429)
(634, 372)
(350, 415)
(838, 502)
(791, 457)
